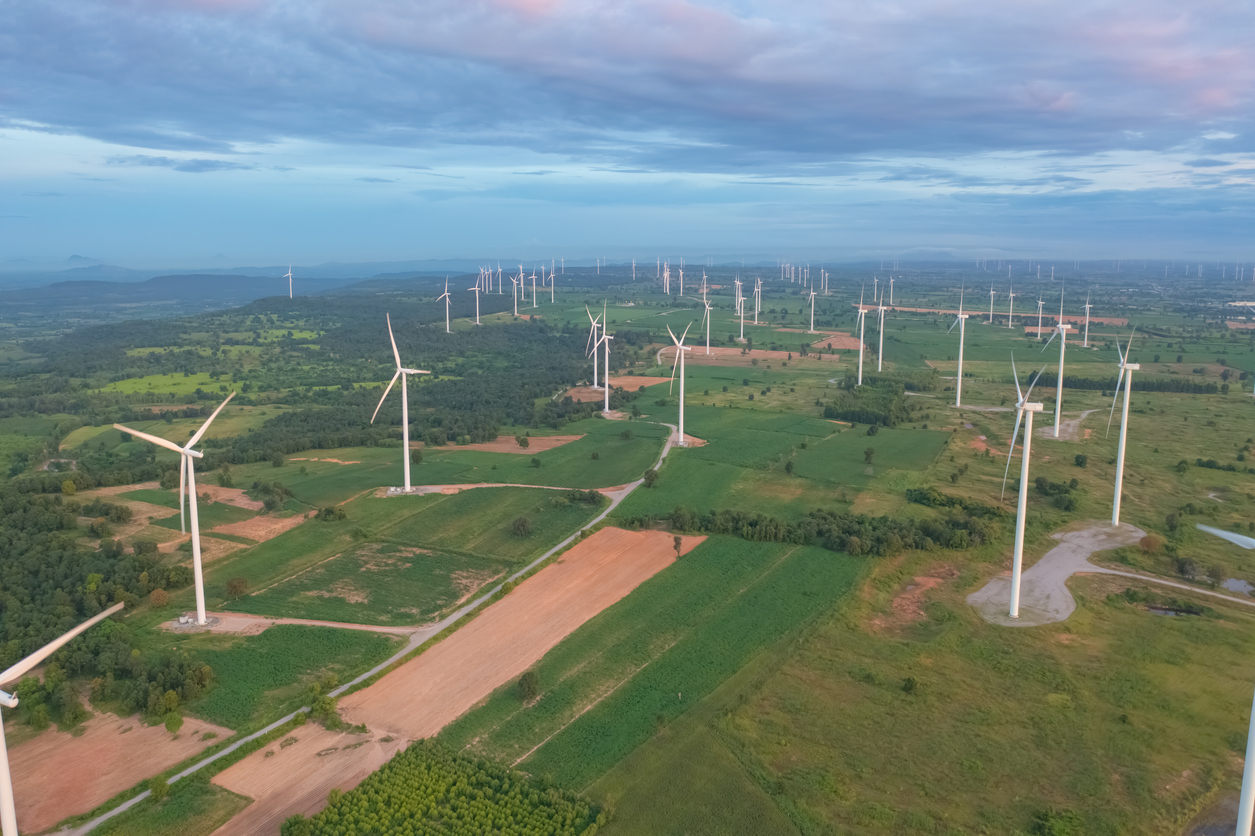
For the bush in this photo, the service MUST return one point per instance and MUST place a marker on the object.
(1151, 543)
(651, 478)
(174, 722)
(1081, 460)
(522, 441)
(529, 686)
(159, 788)
(521, 527)
(536, 462)
(237, 587)
(1056, 823)
(873, 429)
(159, 598)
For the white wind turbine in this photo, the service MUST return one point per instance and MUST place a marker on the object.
(533, 288)
(590, 349)
(680, 348)
(1085, 342)
(1039, 304)
(551, 283)
(1010, 306)
(1246, 801)
(891, 290)
(8, 806)
(289, 278)
(992, 294)
(758, 298)
(605, 338)
(1062, 332)
(514, 291)
(187, 478)
(476, 288)
(402, 373)
(447, 301)
(706, 318)
(880, 352)
(1126, 377)
(812, 311)
(862, 320)
(1023, 408)
(961, 321)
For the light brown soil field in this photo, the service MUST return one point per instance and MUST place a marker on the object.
(728, 356)
(250, 625)
(536, 444)
(633, 382)
(295, 773)
(333, 461)
(211, 548)
(839, 340)
(57, 775)
(418, 699)
(262, 528)
(231, 496)
(1239, 325)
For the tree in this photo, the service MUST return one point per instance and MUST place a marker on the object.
(651, 478)
(236, 587)
(522, 441)
(276, 460)
(868, 453)
(169, 702)
(788, 467)
(873, 429)
(416, 456)
(159, 598)
(522, 527)
(1081, 460)
(536, 462)
(1151, 543)
(174, 722)
(67, 487)
(678, 543)
(159, 788)
(529, 686)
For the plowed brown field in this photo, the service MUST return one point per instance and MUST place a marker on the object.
(419, 698)
(57, 775)
(536, 444)
(295, 773)
(262, 528)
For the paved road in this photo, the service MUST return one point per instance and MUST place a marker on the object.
(417, 638)
(1044, 594)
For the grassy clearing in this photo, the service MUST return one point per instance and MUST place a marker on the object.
(646, 660)
(261, 676)
(209, 514)
(175, 383)
(377, 583)
(194, 807)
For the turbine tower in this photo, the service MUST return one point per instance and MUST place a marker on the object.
(706, 319)
(8, 807)
(812, 311)
(961, 321)
(289, 278)
(606, 338)
(476, 289)
(1085, 342)
(447, 300)
(992, 294)
(1024, 409)
(1010, 305)
(402, 373)
(680, 348)
(1039, 304)
(862, 320)
(880, 352)
(590, 348)
(1126, 376)
(187, 477)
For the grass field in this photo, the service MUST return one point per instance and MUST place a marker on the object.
(260, 676)
(646, 660)
(194, 808)
(210, 515)
(377, 583)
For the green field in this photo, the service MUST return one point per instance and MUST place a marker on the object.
(259, 676)
(377, 583)
(646, 660)
(194, 807)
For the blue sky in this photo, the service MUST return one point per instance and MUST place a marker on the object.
(188, 131)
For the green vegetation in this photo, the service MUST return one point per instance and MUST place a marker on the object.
(428, 789)
(261, 676)
(193, 807)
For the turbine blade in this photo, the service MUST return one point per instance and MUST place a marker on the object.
(1019, 413)
(1236, 539)
(686, 332)
(385, 394)
(1049, 341)
(1036, 377)
(1119, 380)
(169, 445)
(1016, 376)
(32, 661)
(951, 328)
(672, 333)
(674, 366)
(209, 421)
(395, 353)
(182, 491)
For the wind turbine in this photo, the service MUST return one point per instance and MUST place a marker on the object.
(1085, 343)
(514, 291)
(533, 288)
(605, 338)
(891, 290)
(812, 311)
(402, 373)
(289, 278)
(758, 298)
(706, 318)
(1010, 305)
(680, 348)
(1246, 801)
(961, 321)
(186, 472)
(1039, 304)
(1023, 408)
(476, 288)
(447, 300)
(1062, 332)
(880, 352)
(1126, 376)
(862, 320)
(591, 347)
(992, 294)
(8, 807)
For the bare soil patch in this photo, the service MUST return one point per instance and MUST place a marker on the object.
(422, 696)
(58, 775)
(333, 461)
(1239, 326)
(261, 529)
(341, 589)
(536, 444)
(231, 496)
(250, 625)
(693, 441)
(211, 548)
(730, 356)
(633, 382)
(907, 606)
(295, 774)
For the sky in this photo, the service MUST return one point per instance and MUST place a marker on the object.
(206, 132)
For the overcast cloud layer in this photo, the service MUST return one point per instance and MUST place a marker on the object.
(148, 131)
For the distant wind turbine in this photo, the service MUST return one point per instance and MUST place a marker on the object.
(404, 374)
(961, 321)
(680, 348)
(447, 300)
(289, 278)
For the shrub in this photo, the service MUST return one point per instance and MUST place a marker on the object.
(521, 527)
(67, 487)
(1081, 460)
(651, 478)
(174, 722)
(529, 686)
(159, 788)
(159, 598)
(1151, 543)
(522, 441)
(236, 587)
(536, 462)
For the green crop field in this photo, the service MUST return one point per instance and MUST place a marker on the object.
(650, 657)
(210, 515)
(257, 677)
(377, 583)
(194, 807)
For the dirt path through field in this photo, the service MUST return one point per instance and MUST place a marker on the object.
(250, 625)
(421, 490)
(1044, 595)
(58, 775)
(1069, 428)
(295, 774)
(420, 698)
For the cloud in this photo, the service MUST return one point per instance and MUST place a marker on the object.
(1206, 163)
(192, 166)
(374, 180)
(539, 173)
